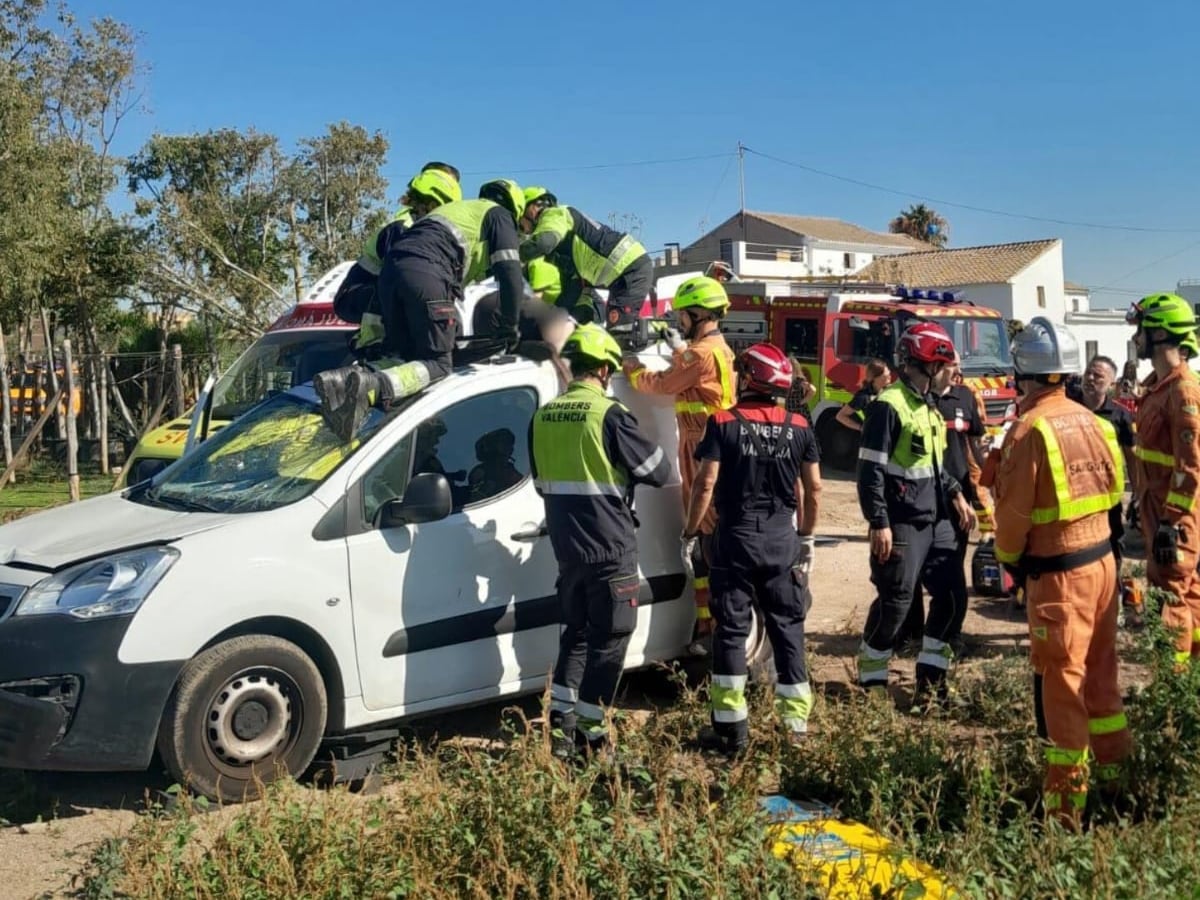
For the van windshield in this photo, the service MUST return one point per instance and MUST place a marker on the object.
(273, 455)
(277, 362)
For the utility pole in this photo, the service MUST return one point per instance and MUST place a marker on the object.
(741, 151)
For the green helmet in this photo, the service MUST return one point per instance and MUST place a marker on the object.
(541, 194)
(592, 344)
(1190, 344)
(703, 292)
(506, 193)
(1170, 312)
(436, 184)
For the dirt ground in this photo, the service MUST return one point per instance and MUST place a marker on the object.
(39, 860)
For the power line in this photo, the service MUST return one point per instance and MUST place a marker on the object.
(615, 165)
(1150, 264)
(967, 206)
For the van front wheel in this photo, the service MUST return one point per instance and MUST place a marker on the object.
(244, 712)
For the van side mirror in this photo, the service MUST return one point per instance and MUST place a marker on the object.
(427, 499)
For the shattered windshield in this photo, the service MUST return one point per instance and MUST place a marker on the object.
(982, 344)
(275, 454)
(277, 362)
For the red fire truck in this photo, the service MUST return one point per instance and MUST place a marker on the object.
(834, 334)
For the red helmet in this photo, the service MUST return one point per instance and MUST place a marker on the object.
(926, 342)
(767, 367)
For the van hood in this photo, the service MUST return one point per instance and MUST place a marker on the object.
(57, 537)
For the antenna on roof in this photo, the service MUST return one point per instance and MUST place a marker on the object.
(741, 152)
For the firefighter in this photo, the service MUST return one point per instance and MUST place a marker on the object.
(758, 463)
(1168, 462)
(1058, 476)
(587, 453)
(701, 378)
(853, 414)
(1092, 391)
(587, 252)
(357, 299)
(908, 499)
(426, 270)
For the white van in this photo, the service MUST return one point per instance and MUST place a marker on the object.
(273, 589)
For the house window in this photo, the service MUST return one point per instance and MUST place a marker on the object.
(1074, 304)
(1041, 297)
(727, 250)
(1091, 350)
(848, 261)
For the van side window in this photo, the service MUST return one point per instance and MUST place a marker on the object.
(480, 445)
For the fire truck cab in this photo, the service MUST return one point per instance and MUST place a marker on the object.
(835, 334)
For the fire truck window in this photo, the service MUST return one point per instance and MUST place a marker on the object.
(861, 340)
(800, 338)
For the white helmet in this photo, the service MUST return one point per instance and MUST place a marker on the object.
(1045, 348)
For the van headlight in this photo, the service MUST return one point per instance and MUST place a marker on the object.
(113, 586)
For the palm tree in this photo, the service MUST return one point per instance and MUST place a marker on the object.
(923, 223)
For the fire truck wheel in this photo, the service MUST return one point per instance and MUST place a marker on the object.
(839, 445)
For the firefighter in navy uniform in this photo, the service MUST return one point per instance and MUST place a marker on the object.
(357, 298)
(908, 500)
(425, 271)
(587, 453)
(760, 462)
(587, 252)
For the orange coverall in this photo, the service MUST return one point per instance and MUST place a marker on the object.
(702, 380)
(1053, 501)
(1167, 484)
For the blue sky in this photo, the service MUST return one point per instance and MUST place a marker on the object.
(1062, 110)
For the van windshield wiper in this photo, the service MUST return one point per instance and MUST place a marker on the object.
(156, 497)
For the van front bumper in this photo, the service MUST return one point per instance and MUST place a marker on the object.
(67, 703)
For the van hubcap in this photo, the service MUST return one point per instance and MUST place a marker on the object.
(249, 719)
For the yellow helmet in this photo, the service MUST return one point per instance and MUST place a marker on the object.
(703, 292)
(507, 193)
(437, 185)
(591, 343)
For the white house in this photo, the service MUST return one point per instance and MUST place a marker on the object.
(762, 246)
(1021, 280)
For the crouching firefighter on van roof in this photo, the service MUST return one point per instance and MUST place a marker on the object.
(587, 454)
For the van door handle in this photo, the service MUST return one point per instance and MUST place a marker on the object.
(530, 536)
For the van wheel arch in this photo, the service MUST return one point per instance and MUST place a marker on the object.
(312, 644)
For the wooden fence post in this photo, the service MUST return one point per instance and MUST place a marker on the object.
(6, 413)
(177, 380)
(72, 425)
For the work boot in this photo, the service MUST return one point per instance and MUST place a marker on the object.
(732, 746)
(346, 395)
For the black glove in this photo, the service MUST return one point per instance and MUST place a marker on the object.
(1166, 545)
(508, 335)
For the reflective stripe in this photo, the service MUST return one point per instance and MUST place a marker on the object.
(562, 692)
(1183, 657)
(1005, 556)
(1108, 772)
(1108, 724)
(1180, 501)
(868, 652)
(589, 711)
(695, 406)
(635, 376)
(793, 690)
(1196, 635)
(730, 682)
(726, 379)
(1153, 456)
(869, 676)
(796, 726)
(703, 612)
(609, 271)
(873, 456)
(1057, 756)
(1069, 508)
(935, 653)
(580, 488)
(562, 706)
(505, 256)
(726, 716)
(650, 464)
(1054, 800)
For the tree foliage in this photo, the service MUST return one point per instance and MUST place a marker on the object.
(923, 223)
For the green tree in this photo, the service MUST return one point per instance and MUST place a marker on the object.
(338, 194)
(216, 206)
(923, 223)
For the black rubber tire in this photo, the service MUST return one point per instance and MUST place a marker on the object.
(184, 732)
(838, 444)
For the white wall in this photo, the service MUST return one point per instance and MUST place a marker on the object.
(1077, 301)
(1109, 331)
(1045, 272)
(995, 296)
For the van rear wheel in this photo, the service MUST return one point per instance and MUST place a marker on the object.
(245, 712)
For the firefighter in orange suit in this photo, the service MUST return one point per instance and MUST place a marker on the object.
(701, 378)
(1059, 474)
(1168, 462)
